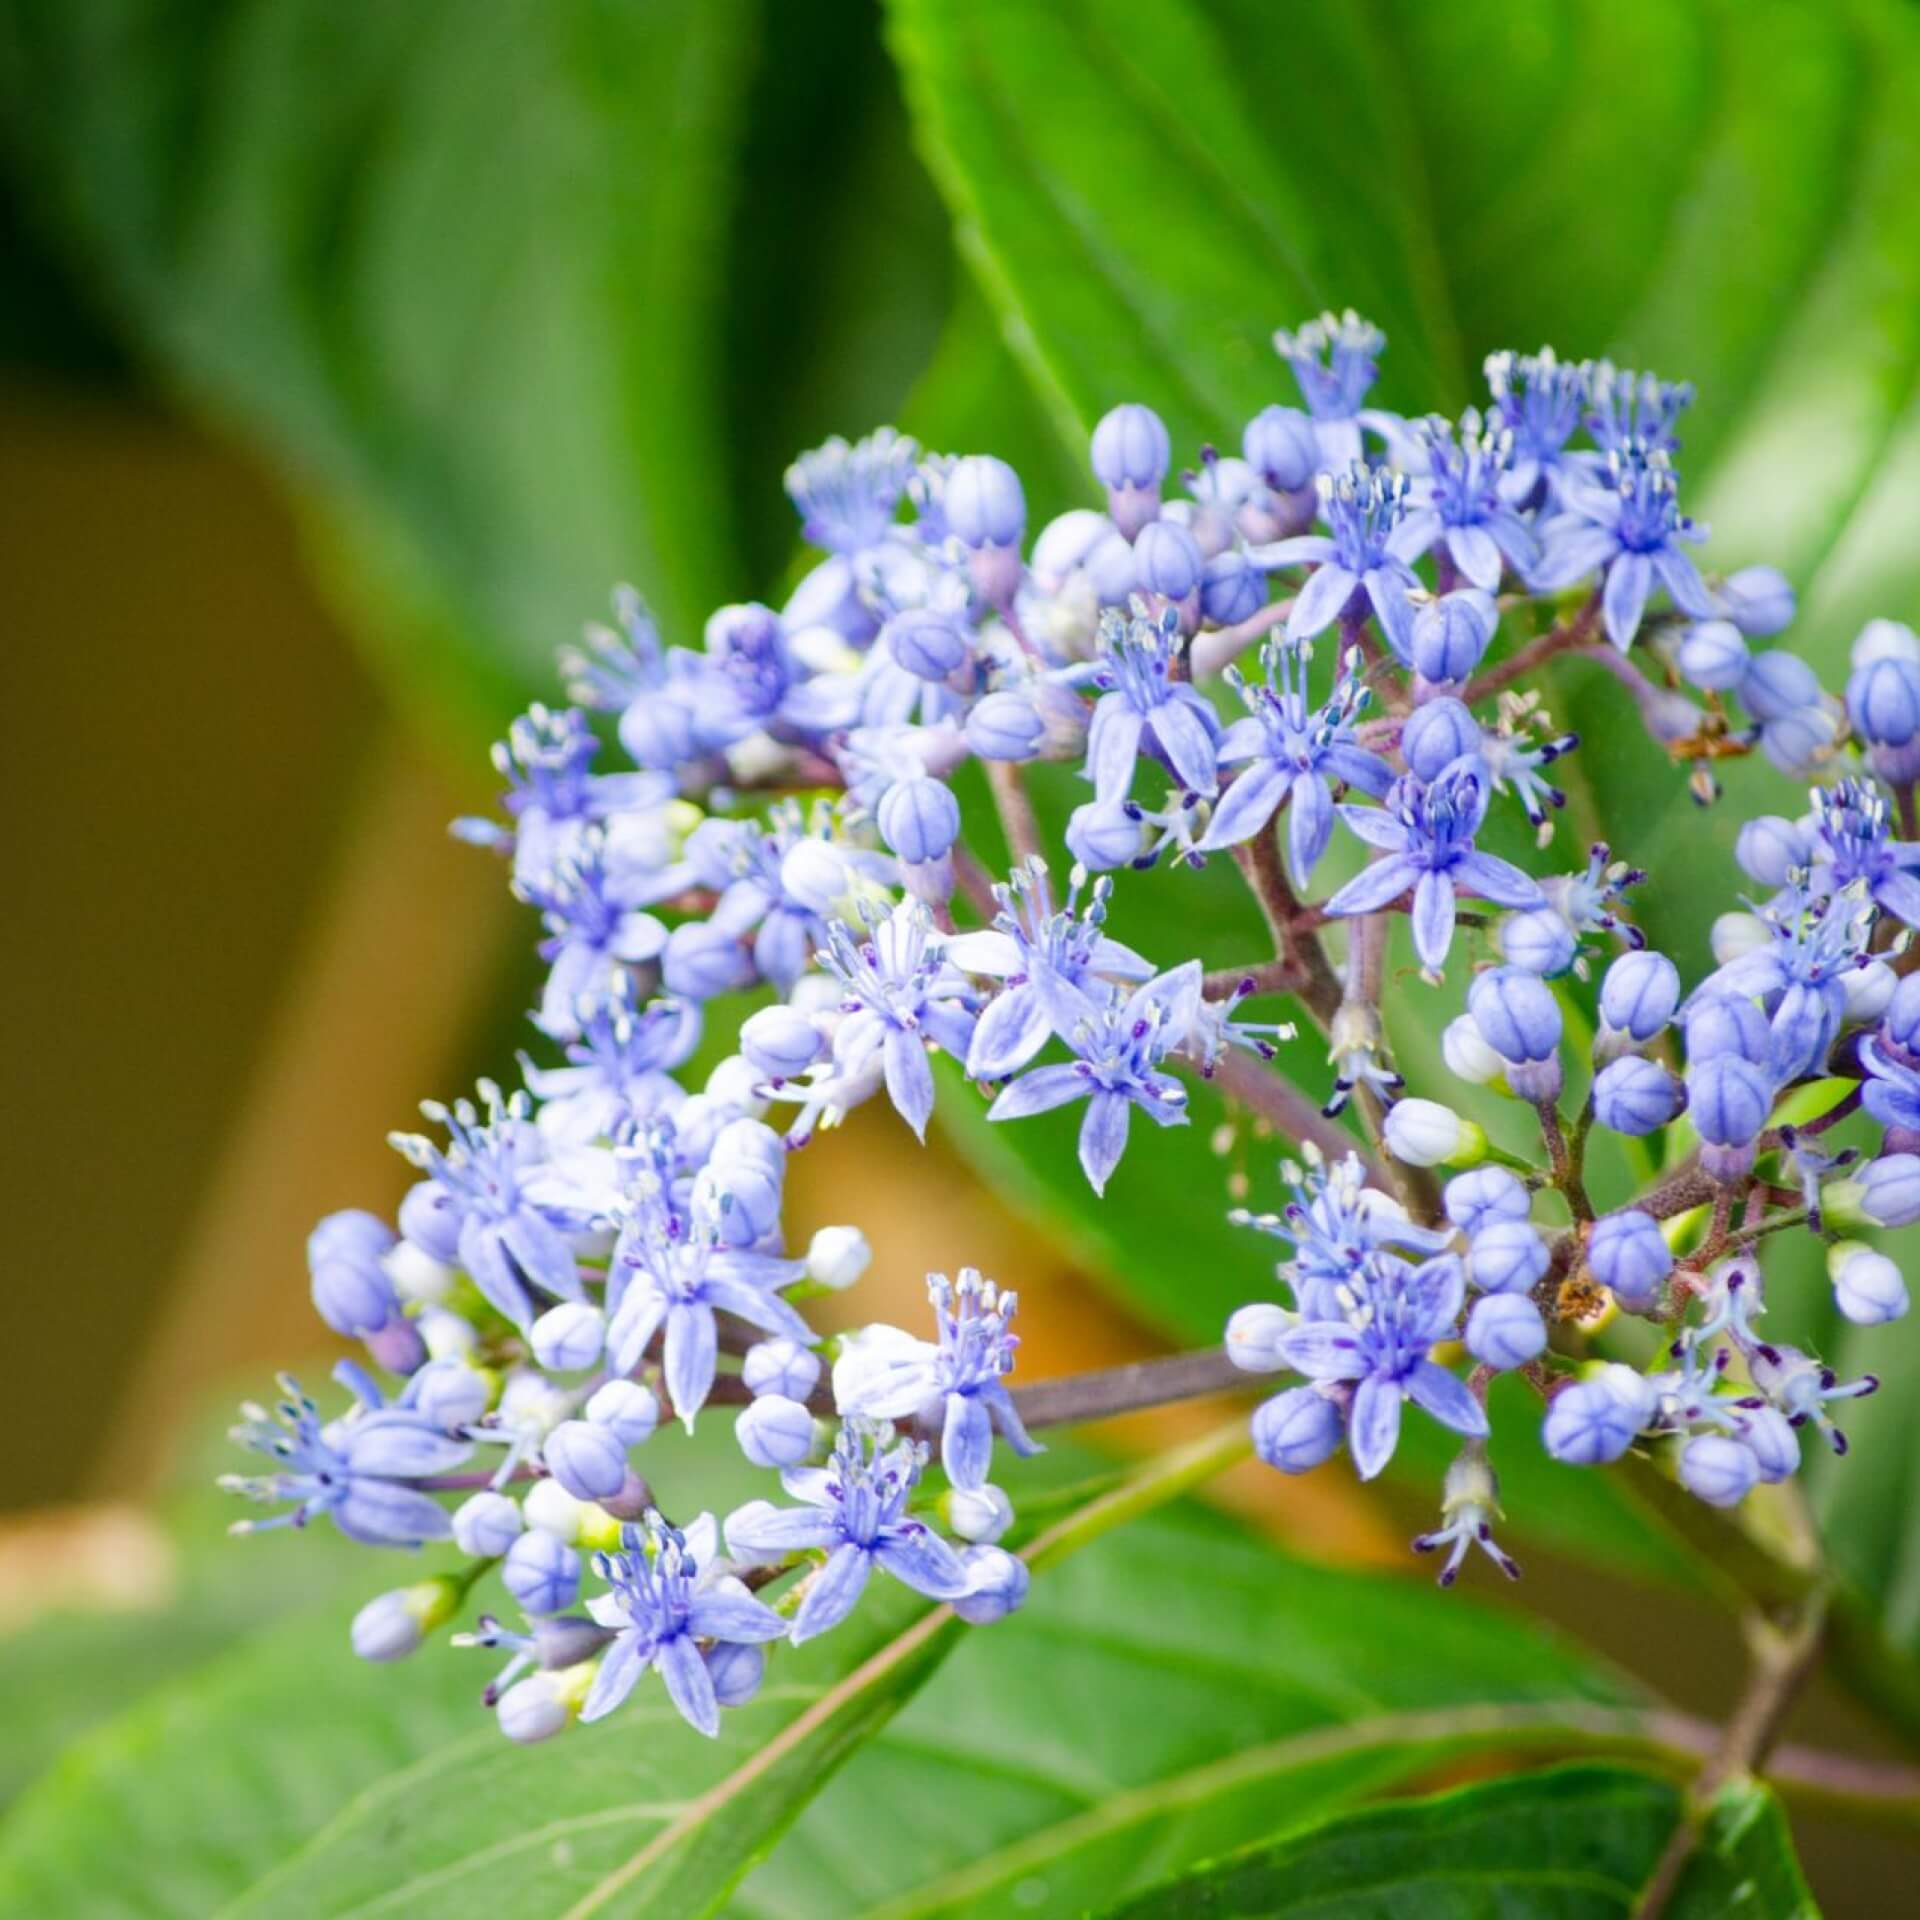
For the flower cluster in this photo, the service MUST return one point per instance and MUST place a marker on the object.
(1308, 659)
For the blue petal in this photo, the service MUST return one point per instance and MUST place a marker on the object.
(834, 1591)
(1373, 1427)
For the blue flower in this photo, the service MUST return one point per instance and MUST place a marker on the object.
(1335, 359)
(595, 932)
(846, 495)
(508, 1236)
(1054, 965)
(357, 1470)
(673, 704)
(1628, 523)
(1427, 831)
(1632, 411)
(619, 1072)
(678, 1274)
(1118, 1069)
(1145, 705)
(1891, 1091)
(553, 795)
(1392, 1315)
(1334, 1223)
(1539, 399)
(900, 993)
(1295, 755)
(1362, 508)
(856, 1513)
(1854, 845)
(661, 1604)
(954, 1382)
(1461, 503)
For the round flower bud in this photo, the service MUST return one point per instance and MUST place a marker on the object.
(450, 1393)
(745, 1142)
(392, 1625)
(1867, 1286)
(1597, 1419)
(351, 1289)
(774, 1431)
(1719, 1470)
(1884, 640)
(1539, 941)
(486, 1525)
(1166, 560)
(1725, 1023)
(1232, 589)
(1889, 1190)
(1504, 1331)
(1639, 994)
(928, 644)
(429, 1221)
(1775, 1446)
(1506, 1256)
(1735, 935)
(587, 1459)
(1797, 742)
(568, 1337)
(1516, 1013)
(702, 961)
(1467, 1054)
(919, 819)
(1423, 1133)
(780, 1042)
(1713, 656)
(657, 732)
(416, 1275)
(1111, 569)
(1281, 448)
(550, 1509)
(837, 1257)
(542, 1574)
(1436, 735)
(996, 1584)
(1475, 1200)
(1130, 448)
(1253, 1337)
(1005, 726)
(814, 872)
(1063, 544)
(736, 1670)
(1778, 684)
(741, 1198)
(626, 1409)
(1296, 1430)
(533, 1709)
(1759, 599)
(983, 1513)
(1451, 636)
(983, 502)
(1103, 835)
(1729, 1098)
(1628, 1255)
(781, 1366)
(1883, 701)
(1636, 1096)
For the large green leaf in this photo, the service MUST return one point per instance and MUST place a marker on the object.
(457, 268)
(1119, 1728)
(1578, 1843)
(287, 1779)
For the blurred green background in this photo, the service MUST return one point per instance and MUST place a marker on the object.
(350, 354)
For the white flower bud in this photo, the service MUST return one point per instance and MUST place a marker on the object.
(1735, 934)
(550, 1508)
(533, 1709)
(1253, 1336)
(486, 1525)
(1868, 990)
(568, 1337)
(981, 1516)
(1867, 1287)
(416, 1276)
(1423, 1133)
(392, 1625)
(837, 1257)
(1467, 1054)
(815, 874)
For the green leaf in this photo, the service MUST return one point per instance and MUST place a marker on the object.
(466, 289)
(1578, 1843)
(1125, 1723)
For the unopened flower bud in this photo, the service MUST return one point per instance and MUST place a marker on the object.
(1467, 1054)
(781, 1366)
(392, 1625)
(1476, 1199)
(568, 1337)
(997, 1583)
(1253, 1336)
(736, 1670)
(486, 1525)
(781, 1042)
(1505, 1330)
(983, 1513)
(919, 819)
(1867, 1287)
(628, 1409)
(1759, 599)
(774, 1431)
(1719, 1470)
(1628, 1254)
(837, 1257)
(1423, 1133)
(1296, 1430)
